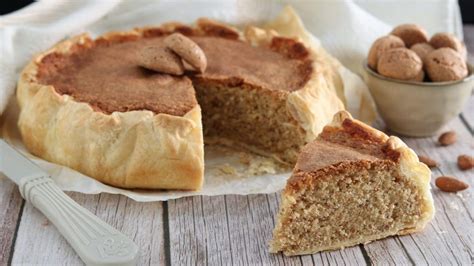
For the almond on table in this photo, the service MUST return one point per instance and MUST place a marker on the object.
(428, 161)
(450, 184)
(465, 162)
(447, 138)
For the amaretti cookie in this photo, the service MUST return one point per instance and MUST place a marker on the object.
(410, 34)
(389, 57)
(445, 64)
(422, 50)
(381, 45)
(352, 185)
(401, 63)
(445, 39)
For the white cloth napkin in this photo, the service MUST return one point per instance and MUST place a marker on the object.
(345, 28)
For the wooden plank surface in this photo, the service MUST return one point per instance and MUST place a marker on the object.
(236, 230)
(38, 241)
(11, 205)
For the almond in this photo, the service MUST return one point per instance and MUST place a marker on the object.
(465, 162)
(450, 184)
(447, 138)
(428, 161)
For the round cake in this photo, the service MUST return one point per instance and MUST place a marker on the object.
(90, 105)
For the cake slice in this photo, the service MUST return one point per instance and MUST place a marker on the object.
(350, 186)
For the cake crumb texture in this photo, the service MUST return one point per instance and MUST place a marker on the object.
(354, 203)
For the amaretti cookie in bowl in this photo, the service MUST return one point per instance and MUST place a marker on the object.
(352, 185)
(418, 83)
(97, 107)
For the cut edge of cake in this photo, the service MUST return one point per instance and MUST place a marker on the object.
(304, 219)
(307, 109)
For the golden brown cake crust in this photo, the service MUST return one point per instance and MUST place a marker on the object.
(112, 63)
(108, 77)
(355, 141)
(321, 154)
(267, 67)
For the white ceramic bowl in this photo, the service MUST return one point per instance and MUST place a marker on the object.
(418, 109)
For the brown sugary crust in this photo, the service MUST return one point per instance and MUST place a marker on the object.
(154, 93)
(289, 47)
(356, 142)
(213, 28)
(206, 27)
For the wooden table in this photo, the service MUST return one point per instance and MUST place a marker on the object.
(234, 229)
